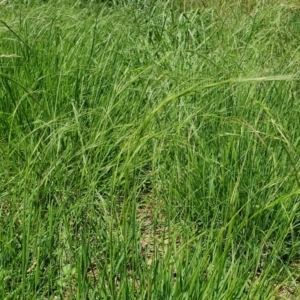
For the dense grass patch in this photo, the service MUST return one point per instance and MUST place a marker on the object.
(149, 149)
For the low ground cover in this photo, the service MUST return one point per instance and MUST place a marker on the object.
(149, 149)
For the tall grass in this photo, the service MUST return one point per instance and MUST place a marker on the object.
(149, 150)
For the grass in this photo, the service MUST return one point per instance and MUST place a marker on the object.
(149, 149)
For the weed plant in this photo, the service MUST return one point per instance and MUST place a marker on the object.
(149, 149)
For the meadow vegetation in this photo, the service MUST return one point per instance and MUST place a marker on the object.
(149, 149)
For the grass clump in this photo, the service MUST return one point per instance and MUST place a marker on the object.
(150, 150)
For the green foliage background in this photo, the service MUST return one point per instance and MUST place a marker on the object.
(149, 149)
